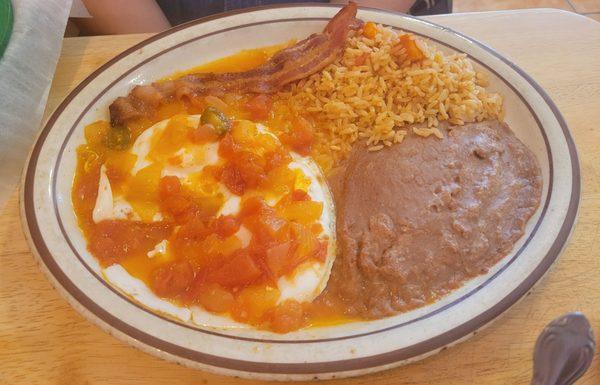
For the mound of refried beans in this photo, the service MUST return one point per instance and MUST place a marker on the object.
(415, 220)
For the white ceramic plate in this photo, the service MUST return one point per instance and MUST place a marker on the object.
(326, 352)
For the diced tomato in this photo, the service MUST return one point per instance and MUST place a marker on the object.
(111, 241)
(300, 195)
(276, 159)
(259, 106)
(260, 234)
(271, 224)
(187, 241)
(266, 143)
(307, 243)
(106, 250)
(253, 302)
(283, 258)
(196, 228)
(413, 52)
(301, 138)
(195, 287)
(316, 228)
(212, 171)
(262, 220)
(284, 201)
(226, 225)
(280, 180)
(195, 251)
(287, 317)
(277, 258)
(204, 133)
(257, 253)
(178, 205)
(184, 203)
(370, 30)
(244, 133)
(251, 168)
(172, 279)
(189, 249)
(267, 228)
(173, 200)
(227, 146)
(215, 298)
(240, 270)
(169, 185)
(253, 206)
(304, 212)
(232, 179)
(215, 247)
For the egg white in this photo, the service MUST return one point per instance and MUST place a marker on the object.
(303, 285)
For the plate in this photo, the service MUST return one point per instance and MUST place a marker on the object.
(325, 352)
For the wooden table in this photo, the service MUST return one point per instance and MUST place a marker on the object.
(44, 341)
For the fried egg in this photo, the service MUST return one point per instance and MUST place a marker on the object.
(304, 284)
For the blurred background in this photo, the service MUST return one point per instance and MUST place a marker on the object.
(106, 17)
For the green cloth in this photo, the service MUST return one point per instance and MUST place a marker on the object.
(6, 24)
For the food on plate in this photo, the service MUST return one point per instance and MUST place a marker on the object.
(204, 209)
(353, 175)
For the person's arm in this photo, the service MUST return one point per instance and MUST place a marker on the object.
(122, 16)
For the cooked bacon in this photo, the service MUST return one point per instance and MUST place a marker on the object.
(288, 65)
(148, 94)
(123, 109)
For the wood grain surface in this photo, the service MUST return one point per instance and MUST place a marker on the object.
(44, 341)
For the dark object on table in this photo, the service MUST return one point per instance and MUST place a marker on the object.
(431, 7)
(563, 351)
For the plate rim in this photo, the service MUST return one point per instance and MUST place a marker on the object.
(432, 344)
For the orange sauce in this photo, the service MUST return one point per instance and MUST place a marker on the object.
(244, 60)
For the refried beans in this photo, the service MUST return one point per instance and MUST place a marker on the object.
(414, 221)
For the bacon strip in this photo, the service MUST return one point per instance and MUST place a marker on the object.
(293, 63)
